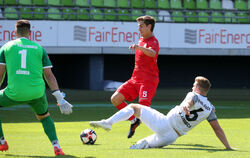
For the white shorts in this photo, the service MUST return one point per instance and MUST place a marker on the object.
(164, 134)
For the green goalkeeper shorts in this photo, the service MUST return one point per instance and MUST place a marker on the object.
(39, 106)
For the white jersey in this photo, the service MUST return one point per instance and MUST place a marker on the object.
(201, 110)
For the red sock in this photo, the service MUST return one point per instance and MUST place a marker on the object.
(123, 105)
(132, 117)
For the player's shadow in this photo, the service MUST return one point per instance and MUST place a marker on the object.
(195, 147)
(61, 156)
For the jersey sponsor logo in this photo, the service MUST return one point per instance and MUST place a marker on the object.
(22, 72)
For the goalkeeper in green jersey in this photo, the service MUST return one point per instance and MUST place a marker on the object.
(25, 63)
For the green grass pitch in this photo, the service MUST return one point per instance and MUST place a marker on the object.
(26, 138)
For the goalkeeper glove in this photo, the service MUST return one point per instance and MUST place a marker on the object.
(65, 107)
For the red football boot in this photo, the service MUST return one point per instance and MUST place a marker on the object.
(58, 151)
(4, 147)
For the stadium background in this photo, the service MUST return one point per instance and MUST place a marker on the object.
(178, 67)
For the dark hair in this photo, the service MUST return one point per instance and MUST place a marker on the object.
(147, 20)
(22, 27)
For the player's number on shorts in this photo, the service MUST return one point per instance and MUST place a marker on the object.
(195, 114)
(144, 94)
(23, 58)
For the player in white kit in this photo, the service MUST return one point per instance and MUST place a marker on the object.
(167, 128)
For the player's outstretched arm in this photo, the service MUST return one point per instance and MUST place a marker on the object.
(50, 79)
(220, 133)
(65, 107)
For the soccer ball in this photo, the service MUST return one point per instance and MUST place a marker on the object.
(88, 136)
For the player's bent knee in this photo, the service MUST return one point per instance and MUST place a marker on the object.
(117, 98)
(113, 99)
(137, 109)
(40, 117)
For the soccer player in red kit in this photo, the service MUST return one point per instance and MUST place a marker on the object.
(145, 77)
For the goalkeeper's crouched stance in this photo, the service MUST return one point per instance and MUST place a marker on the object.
(26, 63)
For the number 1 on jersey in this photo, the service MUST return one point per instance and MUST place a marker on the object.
(23, 58)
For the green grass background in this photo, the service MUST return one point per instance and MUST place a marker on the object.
(26, 138)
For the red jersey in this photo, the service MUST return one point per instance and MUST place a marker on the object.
(146, 68)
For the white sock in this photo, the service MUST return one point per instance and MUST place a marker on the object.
(2, 140)
(122, 115)
(133, 121)
(55, 143)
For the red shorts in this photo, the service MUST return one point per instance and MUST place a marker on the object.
(132, 89)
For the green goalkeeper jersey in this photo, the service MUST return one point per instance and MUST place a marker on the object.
(24, 60)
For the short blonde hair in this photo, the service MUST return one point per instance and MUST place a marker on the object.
(203, 83)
